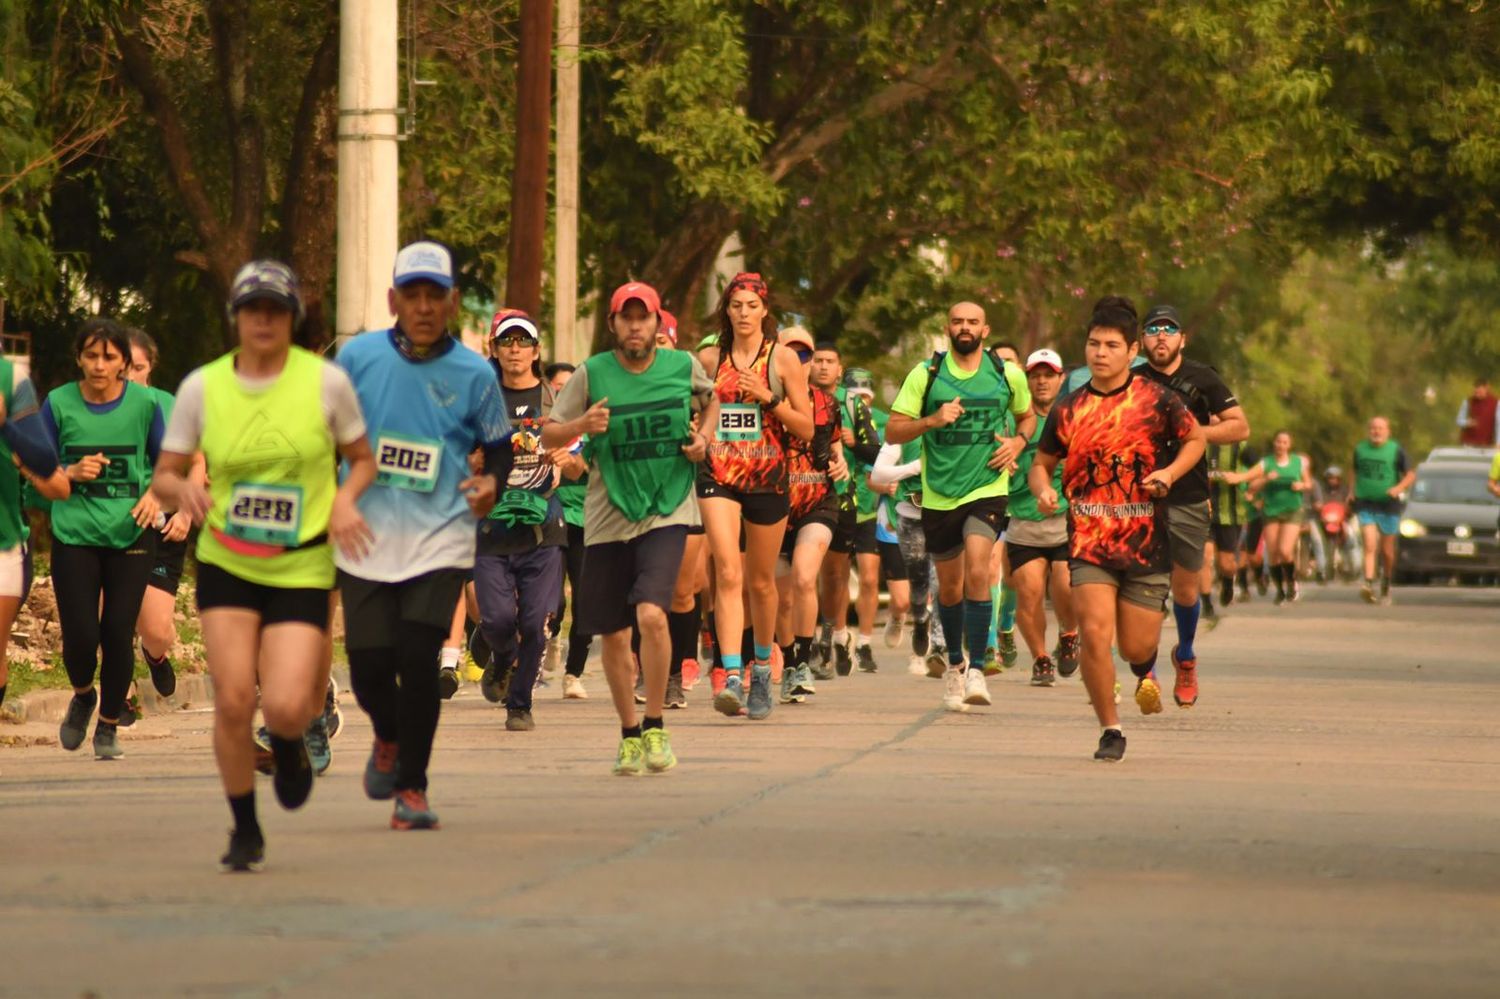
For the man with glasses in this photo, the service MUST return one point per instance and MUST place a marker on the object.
(1189, 516)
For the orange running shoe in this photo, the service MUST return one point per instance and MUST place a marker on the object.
(689, 674)
(1148, 694)
(1185, 687)
(718, 676)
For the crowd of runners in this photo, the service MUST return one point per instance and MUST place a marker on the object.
(721, 507)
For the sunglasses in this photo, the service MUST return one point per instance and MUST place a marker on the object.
(515, 341)
(804, 354)
(1163, 330)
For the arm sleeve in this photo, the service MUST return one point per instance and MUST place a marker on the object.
(1020, 389)
(909, 400)
(341, 405)
(185, 428)
(866, 437)
(887, 467)
(1051, 441)
(572, 401)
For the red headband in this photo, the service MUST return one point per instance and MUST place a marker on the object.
(751, 282)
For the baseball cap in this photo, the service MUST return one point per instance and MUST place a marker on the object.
(795, 335)
(1045, 356)
(423, 261)
(511, 322)
(270, 279)
(635, 289)
(1161, 315)
(669, 326)
(859, 380)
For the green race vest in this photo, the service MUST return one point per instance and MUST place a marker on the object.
(271, 467)
(907, 489)
(13, 527)
(1281, 500)
(640, 455)
(1375, 471)
(98, 513)
(955, 458)
(1022, 504)
(867, 500)
(1231, 503)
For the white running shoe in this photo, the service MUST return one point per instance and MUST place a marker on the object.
(573, 688)
(895, 627)
(953, 689)
(976, 691)
(553, 656)
(917, 666)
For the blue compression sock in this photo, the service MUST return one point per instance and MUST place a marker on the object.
(1187, 627)
(734, 663)
(996, 592)
(762, 653)
(978, 615)
(952, 620)
(1008, 609)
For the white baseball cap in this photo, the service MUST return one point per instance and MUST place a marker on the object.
(424, 261)
(1045, 356)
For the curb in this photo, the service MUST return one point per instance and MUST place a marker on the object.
(52, 705)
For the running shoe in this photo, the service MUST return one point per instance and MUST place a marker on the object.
(784, 693)
(675, 697)
(447, 682)
(657, 745)
(519, 720)
(953, 689)
(640, 685)
(1148, 694)
(690, 674)
(802, 682)
(1385, 593)
(1210, 617)
(937, 662)
(413, 812)
(866, 658)
(1185, 686)
(294, 784)
(895, 628)
(1262, 583)
(631, 760)
(843, 662)
(163, 678)
(573, 689)
(318, 750)
(107, 742)
(380, 771)
(1367, 592)
(824, 645)
(717, 677)
(1043, 673)
(491, 686)
(469, 669)
(759, 702)
(992, 662)
(820, 666)
(731, 698)
(553, 656)
(916, 666)
(1008, 653)
(706, 643)
(921, 635)
(1067, 654)
(1111, 746)
(541, 682)
(265, 763)
(333, 718)
(130, 710)
(976, 691)
(247, 852)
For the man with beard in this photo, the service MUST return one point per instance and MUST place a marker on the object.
(641, 408)
(1189, 515)
(956, 404)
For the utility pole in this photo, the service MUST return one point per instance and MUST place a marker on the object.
(565, 346)
(367, 139)
(528, 192)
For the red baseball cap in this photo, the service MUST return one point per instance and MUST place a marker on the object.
(668, 325)
(637, 290)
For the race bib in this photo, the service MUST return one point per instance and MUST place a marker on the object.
(739, 421)
(265, 515)
(407, 462)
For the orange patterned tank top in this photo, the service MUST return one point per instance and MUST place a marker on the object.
(748, 450)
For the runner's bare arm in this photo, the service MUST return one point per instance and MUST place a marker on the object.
(346, 525)
(1040, 481)
(1229, 427)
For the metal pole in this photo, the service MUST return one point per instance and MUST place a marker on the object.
(565, 240)
(367, 136)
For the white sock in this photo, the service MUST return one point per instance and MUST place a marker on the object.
(865, 640)
(1115, 726)
(841, 636)
(450, 658)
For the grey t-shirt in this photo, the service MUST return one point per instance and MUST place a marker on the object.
(603, 523)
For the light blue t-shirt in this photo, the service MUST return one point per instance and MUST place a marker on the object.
(424, 418)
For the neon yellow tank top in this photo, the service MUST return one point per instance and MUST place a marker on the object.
(272, 474)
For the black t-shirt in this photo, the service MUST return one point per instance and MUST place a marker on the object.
(529, 473)
(1206, 395)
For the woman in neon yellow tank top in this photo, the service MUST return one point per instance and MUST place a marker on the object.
(271, 419)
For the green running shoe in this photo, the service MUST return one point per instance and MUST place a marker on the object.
(1008, 654)
(319, 752)
(631, 761)
(658, 748)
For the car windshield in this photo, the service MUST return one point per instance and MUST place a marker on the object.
(1448, 487)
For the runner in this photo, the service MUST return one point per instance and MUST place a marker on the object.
(1036, 547)
(571, 491)
(854, 535)
(825, 373)
(638, 406)
(956, 403)
(1380, 475)
(1123, 440)
(428, 403)
(518, 572)
(899, 468)
(157, 624)
(1189, 514)
(265, 563)
(1281, 478)
(1229, 467)
(108, 432)
(812, 469)
(26, 452)
(763, 396)
(1000, 651)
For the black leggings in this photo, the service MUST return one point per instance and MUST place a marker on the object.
(80, 574)
(408, 715)
(578, 641)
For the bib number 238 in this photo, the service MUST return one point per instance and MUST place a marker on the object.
(739, 421)
(267, 515)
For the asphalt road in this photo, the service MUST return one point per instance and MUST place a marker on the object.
(1325, 823)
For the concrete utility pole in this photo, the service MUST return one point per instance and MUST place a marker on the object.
(565, 345)
(367, 138)
(528, 190)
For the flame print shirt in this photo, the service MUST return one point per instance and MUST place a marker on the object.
(1108, 443)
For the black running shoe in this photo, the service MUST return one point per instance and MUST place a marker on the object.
(921, 635)
(1111, 746)
(293, 784)
(130, 710)
(447, 682)
(163, 677)
(247, 852)
(519, 720)
(1068, 654)
(675, 697)
(1043, 673)
(866, 657)
(491, 687)
(107, 742)
(76, 723)
(842, 662)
